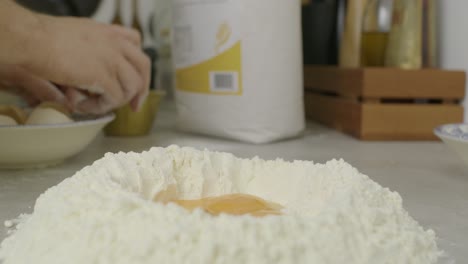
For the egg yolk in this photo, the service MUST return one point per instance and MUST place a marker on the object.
(233, 204)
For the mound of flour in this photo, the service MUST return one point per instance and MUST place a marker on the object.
(105, 214)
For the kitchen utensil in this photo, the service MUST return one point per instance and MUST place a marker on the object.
(350, 45)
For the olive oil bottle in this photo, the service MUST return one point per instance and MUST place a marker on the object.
(376, 26)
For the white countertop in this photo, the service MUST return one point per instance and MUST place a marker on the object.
(431, 179)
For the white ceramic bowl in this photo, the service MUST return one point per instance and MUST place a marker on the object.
(456, 137)
(36, 146)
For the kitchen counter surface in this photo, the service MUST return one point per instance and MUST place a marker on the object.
(431, 179)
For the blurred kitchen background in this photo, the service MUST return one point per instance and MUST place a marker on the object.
(396, 34)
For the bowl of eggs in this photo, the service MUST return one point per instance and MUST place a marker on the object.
(44, 136)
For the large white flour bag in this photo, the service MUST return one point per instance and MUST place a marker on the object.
(238, 68)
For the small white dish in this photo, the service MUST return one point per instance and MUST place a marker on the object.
(38, 146)
(456, 137)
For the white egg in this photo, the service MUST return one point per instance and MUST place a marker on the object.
(7, 121)
(47, 116)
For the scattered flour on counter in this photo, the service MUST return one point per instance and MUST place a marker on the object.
(105, 214)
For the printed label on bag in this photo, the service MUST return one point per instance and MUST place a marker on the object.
(207, 46)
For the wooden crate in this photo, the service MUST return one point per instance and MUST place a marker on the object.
(384, 103)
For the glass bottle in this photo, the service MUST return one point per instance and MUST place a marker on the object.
(117, 19)
(405, 41)
(376, 25)
(126, 14)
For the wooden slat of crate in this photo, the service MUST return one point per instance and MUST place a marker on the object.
(339, 113)
(406, 121)
(369, 121)
(386, 82)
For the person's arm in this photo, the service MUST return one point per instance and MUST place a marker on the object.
(19, 30)
(80, 54)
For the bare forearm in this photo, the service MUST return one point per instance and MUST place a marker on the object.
(19, 33)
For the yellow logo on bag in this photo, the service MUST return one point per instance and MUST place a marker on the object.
(219, 75)
(222, 37)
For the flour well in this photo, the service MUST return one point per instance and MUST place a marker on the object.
(105, 214)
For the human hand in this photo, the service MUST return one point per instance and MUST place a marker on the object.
(31, 88)
(102, 65)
